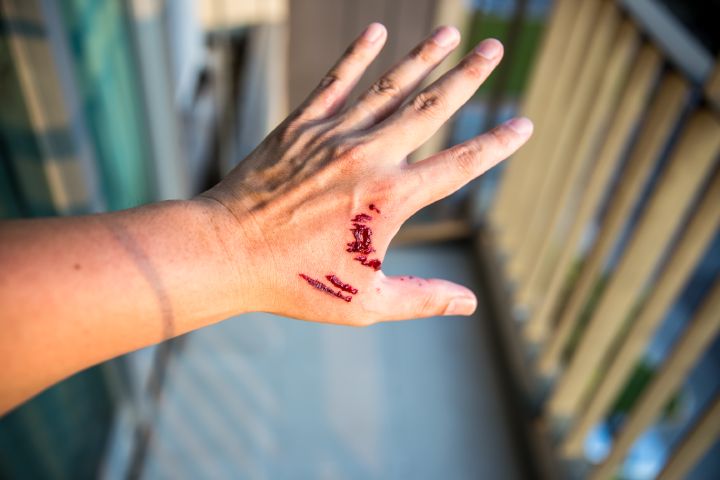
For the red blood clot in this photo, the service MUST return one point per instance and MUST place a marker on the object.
(362, 218)
(346, 287)
(324, 288)
(374, 263)
(363, 239)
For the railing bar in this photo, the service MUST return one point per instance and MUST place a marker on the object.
(549, 123)
(632, 104)
(694, 444)
(548, 61)
(577, 155)
(700, 334)
(686, 254)
(499, 91)
(689, 165)
(567, 121)
(661, 119)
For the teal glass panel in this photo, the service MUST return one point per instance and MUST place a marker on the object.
(107, 81)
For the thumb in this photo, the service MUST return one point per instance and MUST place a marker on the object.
(407, 297)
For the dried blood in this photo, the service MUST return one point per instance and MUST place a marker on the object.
(373, 263)
(346, 287)
(362, 244)
(324, 288)
(362, 218)
(363, 239)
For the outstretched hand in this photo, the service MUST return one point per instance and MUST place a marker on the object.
(300, 228)
(312, 210)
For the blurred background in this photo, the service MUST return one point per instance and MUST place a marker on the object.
(594, 252)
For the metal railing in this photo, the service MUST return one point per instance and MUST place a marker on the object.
(602, 220)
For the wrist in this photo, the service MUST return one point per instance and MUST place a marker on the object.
(228, 236)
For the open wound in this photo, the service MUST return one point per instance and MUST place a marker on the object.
(362, 240)
(361, 244)
(324, 288)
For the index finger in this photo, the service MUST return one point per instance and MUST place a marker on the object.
(419, 119)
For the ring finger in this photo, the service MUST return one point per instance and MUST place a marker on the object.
(386, 94)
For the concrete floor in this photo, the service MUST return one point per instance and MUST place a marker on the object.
(266, 397)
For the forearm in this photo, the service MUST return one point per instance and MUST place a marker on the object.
(77, 291)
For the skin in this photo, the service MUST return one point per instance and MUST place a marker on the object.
(77, 291)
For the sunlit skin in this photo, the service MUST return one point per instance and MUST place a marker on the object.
(81, 290)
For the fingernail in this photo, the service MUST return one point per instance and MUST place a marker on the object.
(461, 306)
(445, 36)
(521, 125)
(373, 32)
(489, 49)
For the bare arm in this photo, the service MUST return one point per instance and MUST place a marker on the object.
(77, 291)
(300, 228)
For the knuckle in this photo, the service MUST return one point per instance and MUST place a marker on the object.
(351, 50)
(501, 135)
(386, 86)
(427, 103)
(354, 53)
(473, 67)
(428, 305)
(418, 178)
(329, 80)
(425, 52)
(465, 160)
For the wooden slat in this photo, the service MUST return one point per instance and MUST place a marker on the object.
(661, 119)
(577, 149)
(542, 81)
(669, 202)
(698, 337)
(694, 445)
(568, 123)
(631, 105)
(539, 149)
(535, 103)
(686, 254)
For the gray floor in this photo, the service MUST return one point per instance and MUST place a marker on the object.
(266, 397)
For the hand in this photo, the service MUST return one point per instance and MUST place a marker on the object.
(316, 205)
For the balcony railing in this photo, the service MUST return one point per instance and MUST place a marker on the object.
(602, 221)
